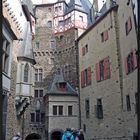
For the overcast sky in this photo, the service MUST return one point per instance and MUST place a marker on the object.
(51, 1)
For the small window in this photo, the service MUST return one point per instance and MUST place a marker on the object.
(52, 44)
(41, 93)
(38, 75)
(5, 55)
(84, 127)
(99, 109)
(61, 23)
(54, 110)
(36, 93)
(49, 24)
(81, 18)
(37, 45)
(86, 48)
(69, 110)
(32, 117)
(42, 117)
(128, 25)
(128, 104)
(130, 63)
(37, 116)
(49, 9)
(60, 110)
(104, 36)
(26, 70)
(87, 108)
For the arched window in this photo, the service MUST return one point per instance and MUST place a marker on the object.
(26, 69)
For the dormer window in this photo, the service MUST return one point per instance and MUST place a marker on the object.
(62, 86)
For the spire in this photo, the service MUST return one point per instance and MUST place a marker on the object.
(26, 50)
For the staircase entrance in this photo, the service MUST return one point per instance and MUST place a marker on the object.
(33, 136)
(56, 135)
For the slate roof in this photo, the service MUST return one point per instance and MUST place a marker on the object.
(58, 78)
(26, 50)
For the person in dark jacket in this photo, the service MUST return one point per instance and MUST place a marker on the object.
(81, 135)
(76, 134)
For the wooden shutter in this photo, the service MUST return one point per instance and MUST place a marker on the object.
(89, 76)
(106, 68)
(82, 79)
(97, 72)
(129, 24)
(83, 51)
(126, 66)
(105, 35)
(135, 59)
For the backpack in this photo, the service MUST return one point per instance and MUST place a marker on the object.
(68, 138)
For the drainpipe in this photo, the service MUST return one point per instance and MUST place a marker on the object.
(78, 90)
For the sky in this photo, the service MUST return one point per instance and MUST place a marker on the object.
(100, 2)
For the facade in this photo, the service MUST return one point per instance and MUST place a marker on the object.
(108, 80)
(61, 107)
(15, 101)
(58, 25)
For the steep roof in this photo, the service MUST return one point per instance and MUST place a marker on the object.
(26, 50)
(59, 79)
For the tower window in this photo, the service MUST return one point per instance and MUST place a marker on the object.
(26, 70)
(128, 103)
(49, 24)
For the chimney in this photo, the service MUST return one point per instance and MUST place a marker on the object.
(95, 7)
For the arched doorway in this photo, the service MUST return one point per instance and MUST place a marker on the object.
(33, 136)
(56, 135)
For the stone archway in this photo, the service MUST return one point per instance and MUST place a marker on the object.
(56, 135)
(33, 136)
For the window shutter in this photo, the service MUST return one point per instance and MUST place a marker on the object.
(105, 35)
(83, 51)
(89, 75)
(126, 66)
(129, 24)
(97, 72)
(106, 68)
(82, 79)
(135, 59)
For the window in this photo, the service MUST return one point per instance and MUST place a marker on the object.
(38, 93)
(87, 107)
(81, 18)
(37, 117)
(86, 77)
(61, 23)
(52, 44)
(38, 75)
(128, 104)
(131, 62)
(60, 110)
(84, 50)
(32, 117)
(26, 70)
(5, 55)
(49, 9)
(84, 127)
(99, 109)
(104, 36)
(49, 24)
(37, 45)
(62, 86)
(56, 9)
(128, 25)
(69, 110)
(54, 110)
(103, 70)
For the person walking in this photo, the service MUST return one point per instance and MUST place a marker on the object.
(81, 135)
(67, 135)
